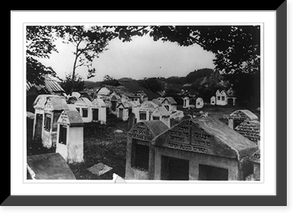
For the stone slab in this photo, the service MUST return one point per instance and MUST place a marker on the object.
(99, 169)
(49, 166)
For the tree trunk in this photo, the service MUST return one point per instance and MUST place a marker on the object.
(73, 73)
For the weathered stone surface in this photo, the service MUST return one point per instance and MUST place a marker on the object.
(99, 169)
(49, 166)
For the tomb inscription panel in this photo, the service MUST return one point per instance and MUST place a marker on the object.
(64, 118)
(188, 137)
(180, 133)
(140, 132)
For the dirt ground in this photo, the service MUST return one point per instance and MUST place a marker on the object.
(102, 145)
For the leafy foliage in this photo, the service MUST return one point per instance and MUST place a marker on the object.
(39, 44)
(78, 84)
(89, 42)
(153, 84)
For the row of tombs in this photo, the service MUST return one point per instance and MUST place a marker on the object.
(59, 125)
(199, 148)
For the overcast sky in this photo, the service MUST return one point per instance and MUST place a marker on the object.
(142, 57)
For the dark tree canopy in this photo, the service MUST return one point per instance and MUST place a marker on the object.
(153, 84)
(78, 84)
(89, 42)
(39, 44)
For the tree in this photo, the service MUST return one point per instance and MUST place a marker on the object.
(39, 44)
(76, 85)
(153, 84)
(236, 49)
(89, 42)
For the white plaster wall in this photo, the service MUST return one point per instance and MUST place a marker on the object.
(89, 118)
(102, 115)
(221, 102)
(62, 149)
(38, 111)
(75, 145)
(47, 135)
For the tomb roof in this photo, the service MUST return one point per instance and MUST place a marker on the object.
(75, 118)
(244, 113)
(241, 145)
(49, 166)
(171, 100)
(54, 101)
(156, 126)
(83, 101)
(148, 105)
(157, 101)
(249, 129)
(161, 110)
(71, 118)
(222, 141)
(99, 102)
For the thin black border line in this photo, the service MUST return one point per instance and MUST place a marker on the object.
(279, 200)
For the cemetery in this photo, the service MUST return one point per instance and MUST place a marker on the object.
(152, 140)
(167, 120)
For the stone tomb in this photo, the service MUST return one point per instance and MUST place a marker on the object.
(194, 149)
(99, 111)
(201, 149)
(124, 109)
(70, 136)
(47, 111)
(145, 111)
(140, 152)
(199, 103)
(250, 130)
(186, 102)
(84, 106)
(48, 167)
(239, 116)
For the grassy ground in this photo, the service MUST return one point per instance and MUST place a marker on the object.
(102, 145)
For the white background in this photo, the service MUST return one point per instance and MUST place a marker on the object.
(19, 184)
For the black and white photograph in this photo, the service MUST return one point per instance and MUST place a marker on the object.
(124, 103)
(148, 108)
